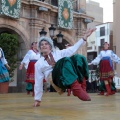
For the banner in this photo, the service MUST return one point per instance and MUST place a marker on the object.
(11, 8)
(65, 14)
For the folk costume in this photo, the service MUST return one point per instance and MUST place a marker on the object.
(4, 75)
(104, 59)
(29, 60)
(66, 72)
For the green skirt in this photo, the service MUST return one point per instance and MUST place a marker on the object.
(29, 87)
(69, 69)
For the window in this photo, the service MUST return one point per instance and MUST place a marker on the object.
(102, 42)
(54, 2)
(102, 31)
(42, 0)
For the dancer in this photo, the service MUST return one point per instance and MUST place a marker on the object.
(64, 69)
(4, 75)
(28, 61)
(104, 59)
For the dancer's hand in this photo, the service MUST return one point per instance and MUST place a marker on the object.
(20, 67)
(88, 32)
(36, 103)
(89, 63)
(8, 67)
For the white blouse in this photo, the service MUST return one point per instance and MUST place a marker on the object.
(31, 55)
(43, 69)
(2, 57)
(106, 53)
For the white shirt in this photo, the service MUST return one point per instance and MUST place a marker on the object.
(43, 69)
(106, 53)
(2, 57)
(30, 55)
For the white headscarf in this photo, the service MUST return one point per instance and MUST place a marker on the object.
(49, 40)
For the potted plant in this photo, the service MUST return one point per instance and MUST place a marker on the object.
(9, 43)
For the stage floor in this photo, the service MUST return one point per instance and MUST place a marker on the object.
(18, 106)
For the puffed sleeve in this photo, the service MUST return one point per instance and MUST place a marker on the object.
(115, 58)
(96, 61)
(4, 61)
(26, 58)
(71, 50)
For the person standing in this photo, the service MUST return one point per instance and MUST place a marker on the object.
(65, 71)
(4, 74)
(104, 59)
(28, 61)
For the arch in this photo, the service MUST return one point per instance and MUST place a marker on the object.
(68, 37)
(14, 27)
(17, 29)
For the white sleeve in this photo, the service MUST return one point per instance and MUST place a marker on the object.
(26, 58)
(4, 61)
(96, 61)
(71, 50)
(38, 87)
(115, 58)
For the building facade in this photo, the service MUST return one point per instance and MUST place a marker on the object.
(104, 33)
(34, 16)
(92, 9)
(116, 36)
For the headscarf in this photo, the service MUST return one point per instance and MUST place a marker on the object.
(49, 40)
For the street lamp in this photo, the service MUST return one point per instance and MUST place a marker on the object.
(51, 31)
(59, 37)
(43, 32)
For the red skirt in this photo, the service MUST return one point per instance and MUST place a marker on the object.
(30, 72)
(106, 71)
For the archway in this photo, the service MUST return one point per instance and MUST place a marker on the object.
(18, 85)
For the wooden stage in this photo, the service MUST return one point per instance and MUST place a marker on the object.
(18, 106)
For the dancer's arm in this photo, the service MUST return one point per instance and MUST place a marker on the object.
(71, 50)
(96, 61)
(25, 60)
(115, 57)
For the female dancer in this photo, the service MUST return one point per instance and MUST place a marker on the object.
(28, 61)
(106, 67)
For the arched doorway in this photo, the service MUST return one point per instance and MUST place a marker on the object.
(18, 85)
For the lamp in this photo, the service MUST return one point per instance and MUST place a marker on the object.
(51, 30)
(43, 32)
(51, 33)
(59, 37)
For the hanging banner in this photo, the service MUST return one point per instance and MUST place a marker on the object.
(65, 14)
(11, 8)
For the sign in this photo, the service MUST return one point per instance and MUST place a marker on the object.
(10, 8)
(65, 14)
